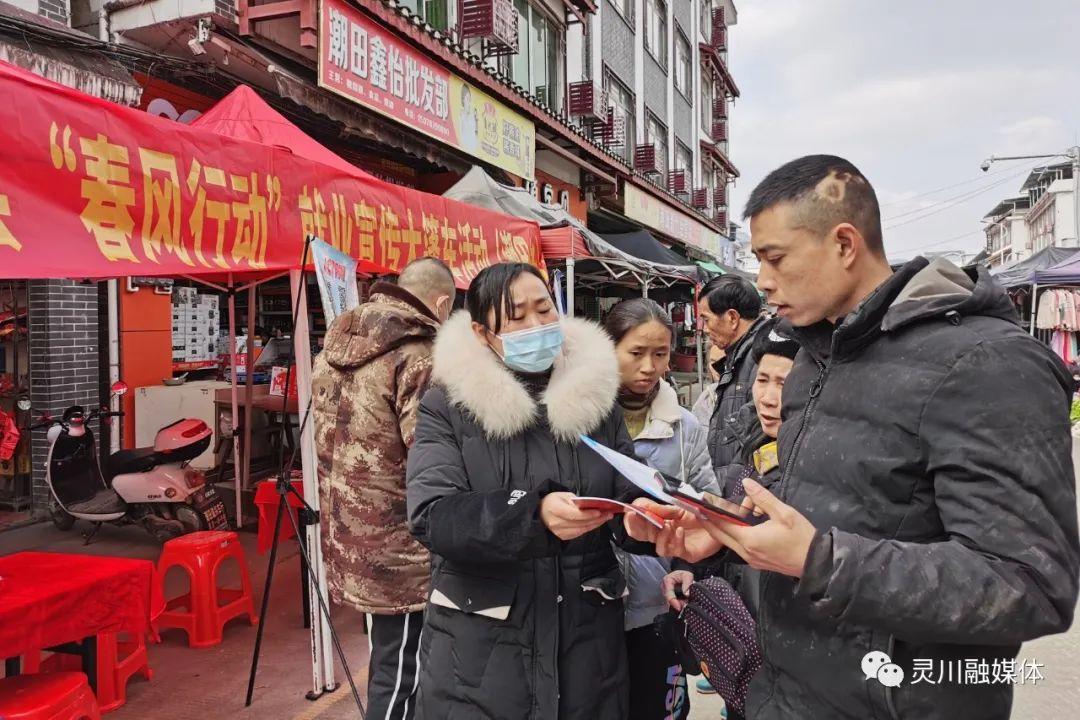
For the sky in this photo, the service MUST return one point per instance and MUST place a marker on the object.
(915, 93)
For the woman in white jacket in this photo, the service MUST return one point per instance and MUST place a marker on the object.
(670, 439)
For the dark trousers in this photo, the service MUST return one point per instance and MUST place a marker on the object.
(392, 670)
(657, 682)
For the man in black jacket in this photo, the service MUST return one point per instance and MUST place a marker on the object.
(730, 308)
(924, 525)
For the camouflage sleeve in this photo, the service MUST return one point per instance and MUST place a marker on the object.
(412, 381)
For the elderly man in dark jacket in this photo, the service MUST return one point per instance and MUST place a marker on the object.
(926, 512)
(730, 308)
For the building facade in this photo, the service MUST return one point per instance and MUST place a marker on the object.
(1041, 216)
(1007, 239)
(609, 95)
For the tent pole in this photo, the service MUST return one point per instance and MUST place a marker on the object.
(321, 641)
(114, 357)
(249, 381)
(645, 287)
(570, 286)
(235, 404)
(700, 354)
(1034, 305)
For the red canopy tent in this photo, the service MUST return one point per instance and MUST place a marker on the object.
(242, 114)
(91, 189)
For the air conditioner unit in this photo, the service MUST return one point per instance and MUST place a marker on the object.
(700, 198)
(495, 22)
(720, 197)
(645, 159)
(587, 101)
(677, 182)
(719, 130)
(719, 30)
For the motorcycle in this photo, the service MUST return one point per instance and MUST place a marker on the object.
(152, 486)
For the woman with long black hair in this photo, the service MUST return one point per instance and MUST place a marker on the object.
(670, 439)
(525, 618)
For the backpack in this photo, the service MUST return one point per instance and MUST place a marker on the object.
(721, 634)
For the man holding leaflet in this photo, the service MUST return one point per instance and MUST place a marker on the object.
(926, 510)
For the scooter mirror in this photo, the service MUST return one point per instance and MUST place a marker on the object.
(119, 387)
(23, 404)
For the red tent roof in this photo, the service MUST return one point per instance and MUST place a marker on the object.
(242, 114)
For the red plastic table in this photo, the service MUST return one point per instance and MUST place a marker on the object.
(61, 602)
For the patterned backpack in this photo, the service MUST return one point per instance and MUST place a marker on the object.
(723, 638)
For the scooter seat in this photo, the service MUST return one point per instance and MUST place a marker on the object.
(138, 460)
(104, 502)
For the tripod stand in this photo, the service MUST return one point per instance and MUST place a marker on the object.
(308, 516)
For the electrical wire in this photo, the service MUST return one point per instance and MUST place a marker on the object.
(935, 191)
(955, 201)
(938, 243)
(966, 194)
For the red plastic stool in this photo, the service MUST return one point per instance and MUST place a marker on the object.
(267, 501)
(51, 696)
(207, 607)
(117, 661)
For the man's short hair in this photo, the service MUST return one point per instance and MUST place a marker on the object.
(825, 191)
(427, 277)
(732, 292)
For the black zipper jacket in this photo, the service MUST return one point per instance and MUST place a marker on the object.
(927, 438)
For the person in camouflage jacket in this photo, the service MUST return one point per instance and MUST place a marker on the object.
(366, 389)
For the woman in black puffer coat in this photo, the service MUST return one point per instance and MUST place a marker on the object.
(525, 618)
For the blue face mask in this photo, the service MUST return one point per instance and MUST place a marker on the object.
(533, 350)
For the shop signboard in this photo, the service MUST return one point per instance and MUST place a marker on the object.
(336, 273)
(368, 64)
(653, 212)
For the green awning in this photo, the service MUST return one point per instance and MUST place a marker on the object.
(712, 267)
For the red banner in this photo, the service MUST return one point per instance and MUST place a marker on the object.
(92, 189)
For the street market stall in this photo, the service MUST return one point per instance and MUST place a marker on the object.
(95, 190)
(1055, 299)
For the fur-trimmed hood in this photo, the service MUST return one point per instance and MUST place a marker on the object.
(580, 395)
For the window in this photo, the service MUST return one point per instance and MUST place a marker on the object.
(538, 64)
(620, 98)
(519, 64)
(706, 102)
(625, 8)
(682, 63)
(708, 178)
(684, 160)
(433, 12)
(656, 134)
(656, 30)
(706, 20)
